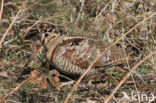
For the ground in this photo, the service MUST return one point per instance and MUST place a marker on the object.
(105, 20)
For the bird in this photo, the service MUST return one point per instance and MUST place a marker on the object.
(72, 55)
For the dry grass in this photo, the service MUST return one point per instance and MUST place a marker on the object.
(104, 20)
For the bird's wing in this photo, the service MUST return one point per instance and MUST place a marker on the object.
(78, 53)
(72, 55)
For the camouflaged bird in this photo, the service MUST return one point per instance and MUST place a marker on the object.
(73, 55)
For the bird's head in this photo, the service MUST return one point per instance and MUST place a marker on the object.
(48, 37)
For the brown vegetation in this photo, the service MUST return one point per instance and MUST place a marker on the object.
(23, 21)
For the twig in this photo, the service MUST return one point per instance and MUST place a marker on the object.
(30, 27)
(67, 83)
(2, 100)
(1, 12)
(10, 26)
(102, 11)
(131, 76)
(40, 21)
(82, 4)
(127, 75)
(12, 101)
(106, 50)
(15, 89)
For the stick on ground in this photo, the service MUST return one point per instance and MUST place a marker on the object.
(127, 75)
(13, 21)
(108, 48)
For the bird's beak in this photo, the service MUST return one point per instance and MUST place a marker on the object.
(42, 40)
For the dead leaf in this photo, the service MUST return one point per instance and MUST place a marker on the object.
(54, 79)
(39, 78)
(35, 73)
(43, 83)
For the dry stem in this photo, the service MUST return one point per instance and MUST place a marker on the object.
(13, 21)
(15, 89)
(1, 12)
(127, 75)
(106, 50)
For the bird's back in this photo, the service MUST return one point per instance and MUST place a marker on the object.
(73, 55)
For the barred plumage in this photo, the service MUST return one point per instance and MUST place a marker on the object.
(73, 55)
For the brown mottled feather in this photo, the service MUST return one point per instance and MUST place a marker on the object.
(73, 55)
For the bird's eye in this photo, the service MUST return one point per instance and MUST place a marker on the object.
(46, 35)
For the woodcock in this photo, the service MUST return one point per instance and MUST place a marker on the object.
(73, 55)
